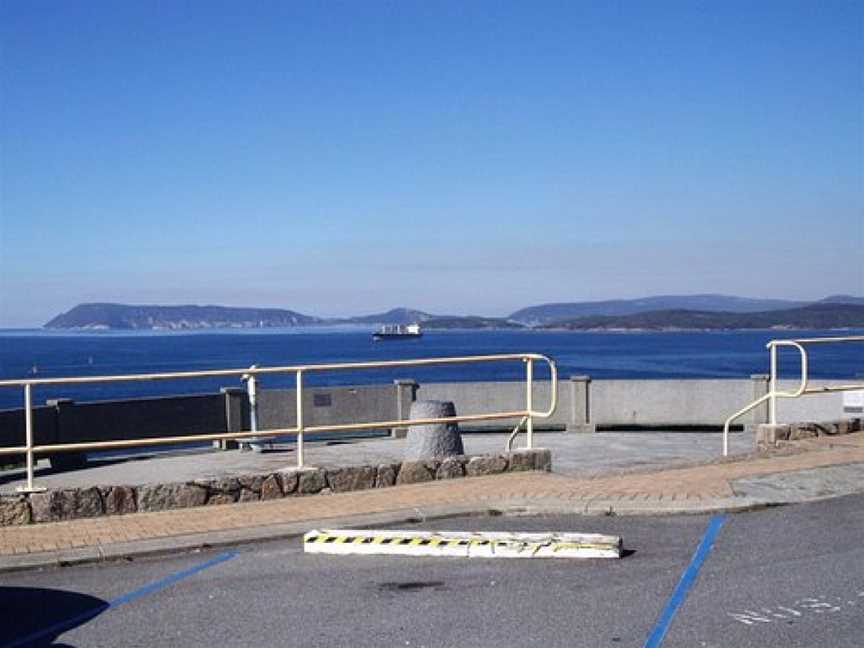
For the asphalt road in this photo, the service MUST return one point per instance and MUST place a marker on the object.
(792, 576)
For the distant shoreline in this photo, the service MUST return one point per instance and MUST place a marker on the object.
(673, 314)
(362, 329)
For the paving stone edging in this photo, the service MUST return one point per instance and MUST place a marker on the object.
(94, 501)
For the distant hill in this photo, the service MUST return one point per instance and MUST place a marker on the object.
(814, 316)
(394, 316)
(546, 313)
(471, 322)
(121, 316)
(843, 299)
(693, 311)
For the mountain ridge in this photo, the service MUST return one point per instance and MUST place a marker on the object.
(545, 313)
(813, 316)
(112, 316)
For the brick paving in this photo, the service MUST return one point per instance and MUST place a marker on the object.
(678, 488)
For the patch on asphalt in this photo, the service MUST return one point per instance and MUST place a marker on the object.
(803, 485)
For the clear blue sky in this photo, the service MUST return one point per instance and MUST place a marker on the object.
(464, 157)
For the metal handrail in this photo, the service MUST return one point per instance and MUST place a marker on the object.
(528, 413)
(803, 389)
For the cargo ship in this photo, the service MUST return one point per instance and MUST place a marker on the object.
(397, 332)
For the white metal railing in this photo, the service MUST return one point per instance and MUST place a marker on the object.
(803, 389)
(527, 414)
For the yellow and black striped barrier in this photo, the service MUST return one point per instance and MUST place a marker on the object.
(462, 544)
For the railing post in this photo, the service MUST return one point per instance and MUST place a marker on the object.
(234, 419)
(580, 405)
(406, 393)
(761, 386)
(299, 418)
(28, 432)
(529, 401)
(772, 387)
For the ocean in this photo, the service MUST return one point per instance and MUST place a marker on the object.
(37, 353)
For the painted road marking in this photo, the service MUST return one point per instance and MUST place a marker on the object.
(462, 544)
(155, 586)
(655, 639)
(798, 609)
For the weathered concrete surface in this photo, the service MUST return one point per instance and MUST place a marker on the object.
(74, 503)
(311, 481)
(414, 472)
(480, 466)
(66, 504)
(768, 435)
(387, 475)
(452, 468)
(14, 510)
(582, 455)
(352, 478)
(434, 441)
(272, 487)
(802, 485)
(160, 497)
(119, 500)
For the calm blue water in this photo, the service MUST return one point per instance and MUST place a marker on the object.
(600, 355)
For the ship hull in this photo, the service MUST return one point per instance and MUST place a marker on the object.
(396, 336)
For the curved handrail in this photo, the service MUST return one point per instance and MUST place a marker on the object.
(553, 381)
(773, 393)
(805, 378)
(738, 414)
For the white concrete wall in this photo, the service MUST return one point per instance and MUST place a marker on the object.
(487, 397)
(640, 402)
(813, 407)
(609, 402)
(668, 402)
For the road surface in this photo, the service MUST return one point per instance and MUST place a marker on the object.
(791, 576)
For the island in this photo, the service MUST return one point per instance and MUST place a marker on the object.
(716, 313)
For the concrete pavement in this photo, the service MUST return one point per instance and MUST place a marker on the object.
(807, 470)
(577, 455)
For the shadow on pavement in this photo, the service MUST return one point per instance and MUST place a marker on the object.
(34, 616)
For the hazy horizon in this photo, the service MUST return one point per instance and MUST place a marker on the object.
(457, 158)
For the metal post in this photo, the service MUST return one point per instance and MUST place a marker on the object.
(772, 387)
(252, 391)
(28, 431)
(529, 401)
(299, 418)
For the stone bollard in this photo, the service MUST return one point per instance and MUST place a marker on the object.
(434, 441)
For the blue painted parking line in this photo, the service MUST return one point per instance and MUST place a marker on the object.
(655, 639)
(155, 586)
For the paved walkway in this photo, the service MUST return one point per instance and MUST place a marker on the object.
(577, 455)
(696, 488)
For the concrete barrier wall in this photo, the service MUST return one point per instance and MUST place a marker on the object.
(66, 422)
(12, 427)
(277, 408)
(583, 405)
(813, 407)
(487, 397)
(143, 418)
(670, 402)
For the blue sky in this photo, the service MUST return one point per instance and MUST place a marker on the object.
(348, 157)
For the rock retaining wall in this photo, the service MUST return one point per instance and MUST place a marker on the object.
(94, 501)
(768, 436)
